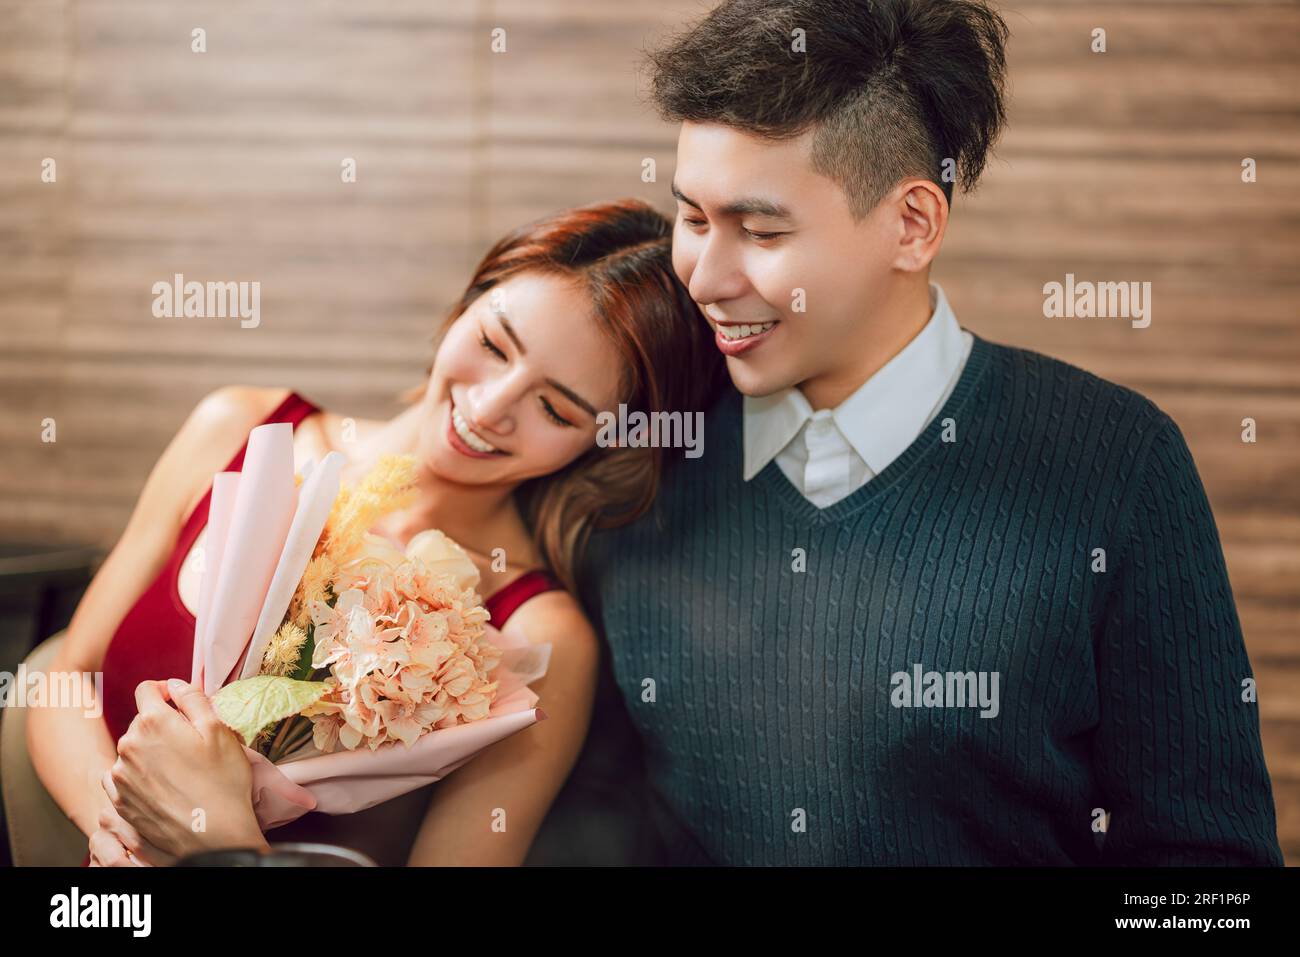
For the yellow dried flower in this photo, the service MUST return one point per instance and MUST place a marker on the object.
(390, 485)
(314, 586)
(283, 650)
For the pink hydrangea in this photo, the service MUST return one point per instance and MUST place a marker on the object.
(406, 652)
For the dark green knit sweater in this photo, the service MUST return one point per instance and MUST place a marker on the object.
(770, 654)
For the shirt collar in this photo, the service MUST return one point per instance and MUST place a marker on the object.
(883, 416)
(771, 422)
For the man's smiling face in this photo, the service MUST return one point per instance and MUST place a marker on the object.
(763, 241)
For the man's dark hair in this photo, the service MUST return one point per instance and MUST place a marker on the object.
(891, 88)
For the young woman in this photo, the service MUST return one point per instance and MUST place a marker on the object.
(562, 319)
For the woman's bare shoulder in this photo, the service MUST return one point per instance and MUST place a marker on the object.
(554, 616)
(234, 410)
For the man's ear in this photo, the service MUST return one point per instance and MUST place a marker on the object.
(922, 212)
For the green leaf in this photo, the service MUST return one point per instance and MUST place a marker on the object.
(251, 704)
(302, 671)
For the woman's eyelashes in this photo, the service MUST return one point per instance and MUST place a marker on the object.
(553, 415)
(547, 408)
(489, 346)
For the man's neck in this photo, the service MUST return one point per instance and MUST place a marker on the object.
(896, 323)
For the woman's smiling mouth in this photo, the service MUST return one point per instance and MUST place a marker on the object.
(465, 440)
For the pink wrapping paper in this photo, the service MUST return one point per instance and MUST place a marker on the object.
(320, 487)
(261, 533)
(259, 522)
(347, 781)
(220, 504)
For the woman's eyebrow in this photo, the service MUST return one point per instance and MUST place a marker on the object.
(573, 397)
(564, 390)
(510, 330)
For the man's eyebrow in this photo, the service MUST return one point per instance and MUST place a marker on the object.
(747, 206)
(564, 390)
(755, 206)
(683, 197)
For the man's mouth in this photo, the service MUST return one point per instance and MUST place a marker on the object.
(734, 333)
(734, 339)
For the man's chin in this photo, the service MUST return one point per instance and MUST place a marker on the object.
(753, 382)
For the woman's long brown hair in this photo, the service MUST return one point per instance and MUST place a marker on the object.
(621, 251)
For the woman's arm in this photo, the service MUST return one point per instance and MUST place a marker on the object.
(70, 750)
(488, 811)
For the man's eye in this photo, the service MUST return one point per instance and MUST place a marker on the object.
(487, 344)
(553, 415)
(760, 237)
(695, 223)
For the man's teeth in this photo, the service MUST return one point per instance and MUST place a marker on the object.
(744, 332)
(466, 436)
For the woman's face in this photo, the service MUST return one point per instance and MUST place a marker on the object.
(517, 383)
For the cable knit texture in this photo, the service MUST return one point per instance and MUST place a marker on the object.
(762, 689)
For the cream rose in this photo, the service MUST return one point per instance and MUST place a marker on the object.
(380, 548)
(443, 556)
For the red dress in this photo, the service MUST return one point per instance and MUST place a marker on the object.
(155, 641)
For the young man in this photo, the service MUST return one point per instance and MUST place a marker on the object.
(926, 598)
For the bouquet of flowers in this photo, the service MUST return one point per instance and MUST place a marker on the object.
(353, 671)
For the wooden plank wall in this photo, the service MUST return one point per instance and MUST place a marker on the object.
(225, 165)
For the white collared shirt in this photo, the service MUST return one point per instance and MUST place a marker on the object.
(831, 453)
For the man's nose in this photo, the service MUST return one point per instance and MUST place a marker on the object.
(717, 275)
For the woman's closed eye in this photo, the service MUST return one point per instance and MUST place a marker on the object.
(553, 415)
(547, 408)
(490, 346)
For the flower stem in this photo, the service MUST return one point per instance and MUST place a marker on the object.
(273, 749)
(294, 732)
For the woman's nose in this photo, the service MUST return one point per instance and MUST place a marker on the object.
(492, 404)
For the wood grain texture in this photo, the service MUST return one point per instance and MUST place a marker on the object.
(225, 166)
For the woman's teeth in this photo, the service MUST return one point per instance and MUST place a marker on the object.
(744, 332)
(466, 436)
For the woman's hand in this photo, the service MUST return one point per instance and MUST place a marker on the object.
(107, 851)
(181, 779)
(117, 844)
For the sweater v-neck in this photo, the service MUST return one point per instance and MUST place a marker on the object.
(974, 378)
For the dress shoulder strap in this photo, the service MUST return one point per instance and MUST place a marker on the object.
(506, 600)
(293, 409)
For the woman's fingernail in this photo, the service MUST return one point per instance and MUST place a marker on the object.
(175, 684)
